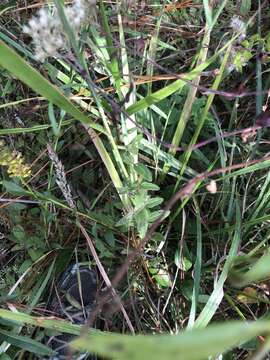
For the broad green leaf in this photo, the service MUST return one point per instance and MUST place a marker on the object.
(141, 220)
(156, 215)
(126, 220)
(143, 171)
(13, 188)
(153, 202)
(182, 263)
(162, 277)
(150, 186)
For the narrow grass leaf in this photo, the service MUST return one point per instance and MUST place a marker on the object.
(53, 120)
(208, 13)
(35, 128)
(196, 344)
(264, 164)
(218, 12)
(149, 148)
(259, 271)
(191, 96)
(25, 343)
(37, 295)
(113, 63)
(197, 269)
(48, 323)
(217, 295)
(189, 345)
(14, 63)
(177, 85)
(245, 7)
(205, 112)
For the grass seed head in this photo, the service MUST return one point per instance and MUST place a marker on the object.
(61, 177)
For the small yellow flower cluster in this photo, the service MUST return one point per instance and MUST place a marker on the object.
(14, 161)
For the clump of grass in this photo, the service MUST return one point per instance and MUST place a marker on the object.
(159, 116)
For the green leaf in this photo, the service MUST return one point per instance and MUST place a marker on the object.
(156, 214)
(258, 272)
(126, 220)
(154, 202)
(18, 234)
(4, 357)
(150, 186)
(182, 263)
(48, 323)
(217, 295)
(53, 120)
(197, 269)
(35, 254)
(143, 171)
(13, 188)
(245, 7)
(196, 344)
(26, 343)
(142, 222)
(208, 13)
(177, 85)
(162, 277)
(267, 42)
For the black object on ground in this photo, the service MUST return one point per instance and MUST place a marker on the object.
(73, 300)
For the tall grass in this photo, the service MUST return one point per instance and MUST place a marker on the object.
(158, 232)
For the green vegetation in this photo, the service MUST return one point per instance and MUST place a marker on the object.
(134, 139)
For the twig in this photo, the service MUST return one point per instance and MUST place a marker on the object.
(104, 275)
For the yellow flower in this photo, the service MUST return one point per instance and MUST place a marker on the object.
(14, 161)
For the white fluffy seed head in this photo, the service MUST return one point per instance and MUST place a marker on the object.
(47, 31)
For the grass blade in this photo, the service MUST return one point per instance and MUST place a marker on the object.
(211, 341)
(197, 269)
(11, 61)
(196, 344)
(217, 295)
(25, 343)
(204, 114)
